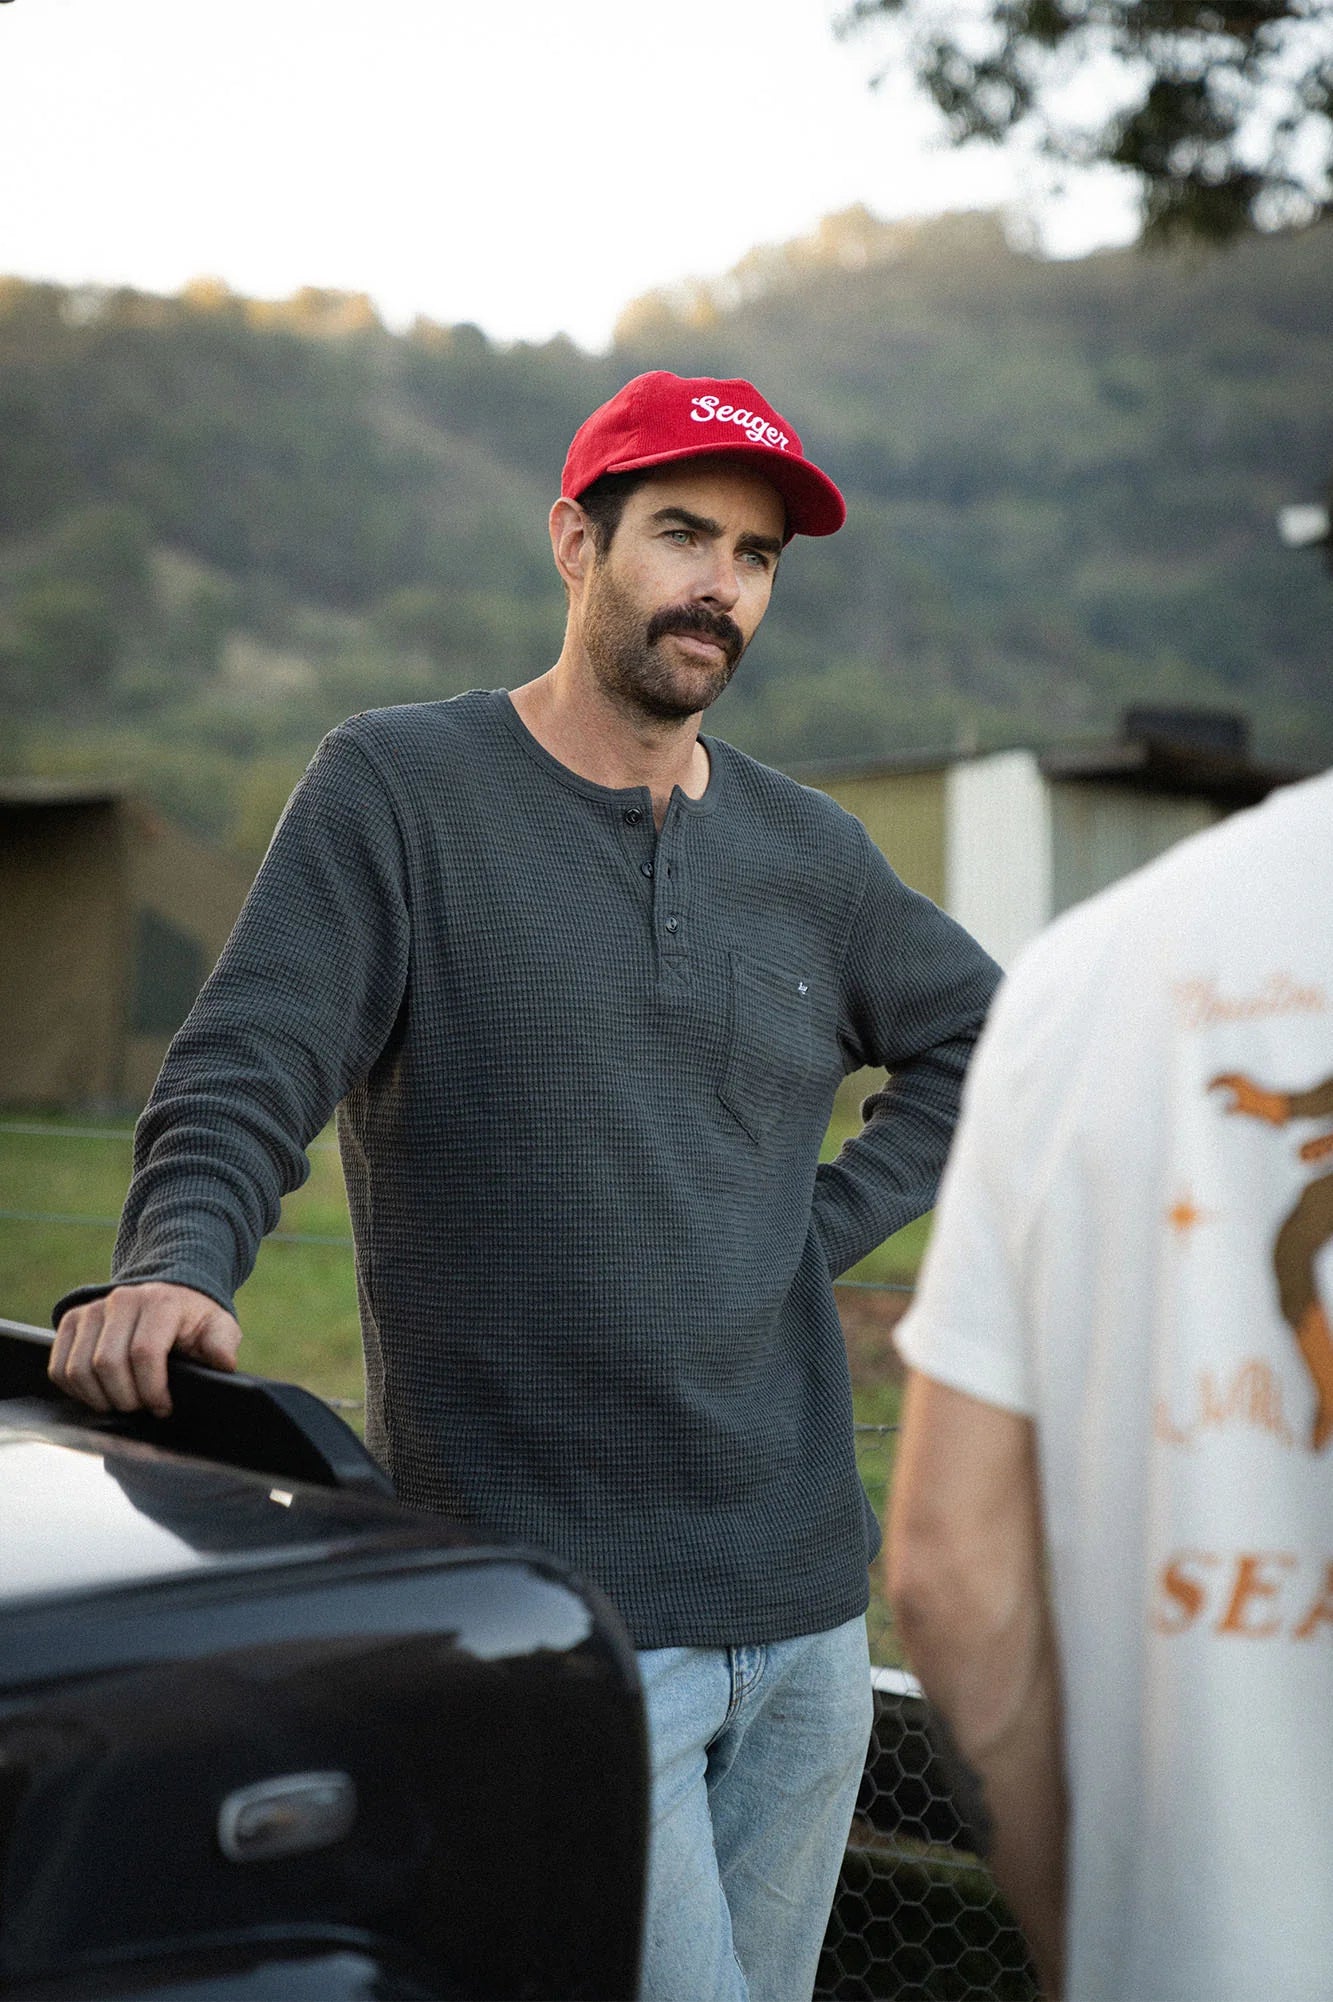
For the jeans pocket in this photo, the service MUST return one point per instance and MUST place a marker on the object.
(768, 1051)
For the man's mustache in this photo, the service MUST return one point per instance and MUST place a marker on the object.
(697, 620)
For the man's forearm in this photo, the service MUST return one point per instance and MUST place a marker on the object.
(1003, 1727)
(966, 1573)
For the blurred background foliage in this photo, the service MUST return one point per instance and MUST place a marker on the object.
(225, 524)
(1220, 112)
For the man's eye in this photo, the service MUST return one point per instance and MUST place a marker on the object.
(678, 534)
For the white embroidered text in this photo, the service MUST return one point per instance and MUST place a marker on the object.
(757, 429)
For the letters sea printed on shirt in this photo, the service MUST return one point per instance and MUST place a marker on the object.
(1259, 1594)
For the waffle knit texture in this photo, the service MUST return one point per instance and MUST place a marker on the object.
(582, 1070)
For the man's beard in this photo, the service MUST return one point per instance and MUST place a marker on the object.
(630, 664)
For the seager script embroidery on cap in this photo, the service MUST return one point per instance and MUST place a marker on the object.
(757, 429)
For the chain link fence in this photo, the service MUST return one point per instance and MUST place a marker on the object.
(916, 1917)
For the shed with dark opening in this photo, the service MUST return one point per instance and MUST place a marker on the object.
(110, 918)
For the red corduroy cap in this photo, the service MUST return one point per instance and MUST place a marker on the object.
(661, 417)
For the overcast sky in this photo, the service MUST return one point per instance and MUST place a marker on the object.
(527, 165)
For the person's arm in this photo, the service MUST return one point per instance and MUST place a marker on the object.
(966, 1575)
(915, 991)
(297, 1010)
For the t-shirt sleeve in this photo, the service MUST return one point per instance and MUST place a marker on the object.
(967, 1327)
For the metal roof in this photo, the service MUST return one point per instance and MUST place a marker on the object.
(25, 791)
(1158, 765)
(1203, 753)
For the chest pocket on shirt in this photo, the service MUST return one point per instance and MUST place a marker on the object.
(768, 1043)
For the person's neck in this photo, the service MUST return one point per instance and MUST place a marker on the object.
(583, 727)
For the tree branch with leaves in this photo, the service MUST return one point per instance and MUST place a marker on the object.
(1223, 112)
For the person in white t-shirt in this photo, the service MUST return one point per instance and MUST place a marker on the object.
(1111, 1536)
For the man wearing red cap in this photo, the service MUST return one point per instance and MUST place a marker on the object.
(581, 984)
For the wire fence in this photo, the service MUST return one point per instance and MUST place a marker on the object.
(32, 1130)
(917, 1917)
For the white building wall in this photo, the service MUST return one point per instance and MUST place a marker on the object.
(997, 850)
(1101, 832)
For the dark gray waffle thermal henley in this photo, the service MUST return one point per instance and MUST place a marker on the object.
(582, 1071)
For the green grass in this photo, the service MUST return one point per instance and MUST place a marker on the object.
(298, 1308)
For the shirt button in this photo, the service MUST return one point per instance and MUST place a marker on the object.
(673, 924)
(645, 868)
(633, 815)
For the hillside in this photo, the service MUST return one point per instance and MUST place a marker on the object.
(224, 524)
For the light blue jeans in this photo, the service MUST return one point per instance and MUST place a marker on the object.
(757, 1753)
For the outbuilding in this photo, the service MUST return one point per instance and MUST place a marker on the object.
(110, 918)
(1007, 840)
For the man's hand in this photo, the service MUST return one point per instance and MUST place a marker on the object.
(112, 1353)
(1252, 1099)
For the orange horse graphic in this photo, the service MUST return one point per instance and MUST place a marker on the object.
(1303, 1235)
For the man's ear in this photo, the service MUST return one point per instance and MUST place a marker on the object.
(572, 543)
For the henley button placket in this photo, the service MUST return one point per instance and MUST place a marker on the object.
(669, 918)
(638, 835)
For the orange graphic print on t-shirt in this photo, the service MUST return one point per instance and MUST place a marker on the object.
(1302, 1235)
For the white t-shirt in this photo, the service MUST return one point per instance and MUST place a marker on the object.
(1104, 1260)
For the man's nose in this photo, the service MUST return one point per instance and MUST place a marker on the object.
(717, 583)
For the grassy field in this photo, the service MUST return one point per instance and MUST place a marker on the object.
(298, 1309)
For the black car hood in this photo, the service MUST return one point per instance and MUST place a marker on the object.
(81, 1511)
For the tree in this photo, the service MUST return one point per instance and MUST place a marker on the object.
(1222, 109)
(106, 549)
(67, 642)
